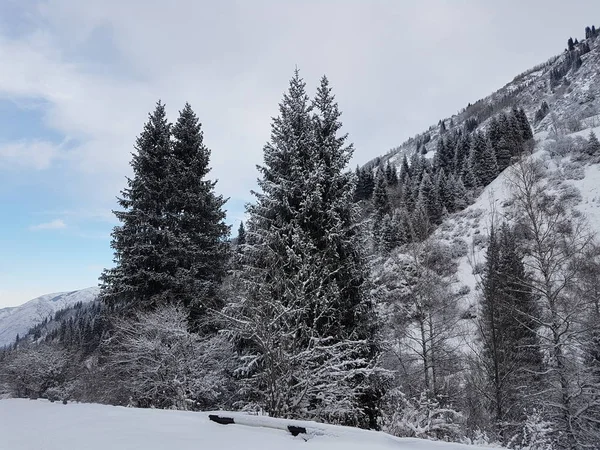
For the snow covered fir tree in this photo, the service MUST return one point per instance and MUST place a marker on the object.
(305, 325)
(446, 290)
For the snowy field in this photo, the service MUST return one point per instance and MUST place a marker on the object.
(41, 425)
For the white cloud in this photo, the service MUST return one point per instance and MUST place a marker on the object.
(56, 224)
(28, 155)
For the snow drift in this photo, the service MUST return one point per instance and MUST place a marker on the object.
(100, 427)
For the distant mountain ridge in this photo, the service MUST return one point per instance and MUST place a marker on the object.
(18, 320)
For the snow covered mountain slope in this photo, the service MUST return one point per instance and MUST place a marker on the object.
(100, 427)
(568, 84)
(564, 173)
(19, 319)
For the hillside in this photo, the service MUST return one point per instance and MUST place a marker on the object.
(569, 84)
(19, 319)
(99, 427)
(561, 99)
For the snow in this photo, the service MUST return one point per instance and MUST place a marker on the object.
(19, 319)
(39, 424)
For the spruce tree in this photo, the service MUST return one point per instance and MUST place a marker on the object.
(391, 175)
(483, 160)
(511, 356)
(241, 237)
(381, 203)
(144, 275)
(503, 154)
(197, 217)
(593, 146)
(306, 323)
(461, 153)
(171, 245)
(404, 177)
(467, 176)
(429, 200)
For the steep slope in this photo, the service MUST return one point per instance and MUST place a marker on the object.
(565, 174)
(101, 427)
(569, 84)
(18, 320)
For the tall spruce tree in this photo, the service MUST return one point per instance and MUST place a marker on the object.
(144, 275)
(197, 217)
(511, 352)
(381, 203)
(306, 323)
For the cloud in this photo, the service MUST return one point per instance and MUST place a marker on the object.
(56, 224)
(25, 155)
(395, 68)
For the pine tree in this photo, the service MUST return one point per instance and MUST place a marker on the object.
(444, 155)
(404, 177)
(511, 357)
(524, 126)
(483, 161)
(593, 146)
(381, 204)
(461, 153)
(198, 229)
(461, 195)
(241, 237)
(467, 176)
(420, 227)
(503, 154)
(306, 309)
(429, 200)
(391, 175)
(443, 190)
(144, 274)
(365, 184)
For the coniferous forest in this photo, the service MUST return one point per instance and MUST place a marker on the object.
(335, 300)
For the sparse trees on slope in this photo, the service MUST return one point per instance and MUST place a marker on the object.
(556, 239)
(305, 326)
(423, 324)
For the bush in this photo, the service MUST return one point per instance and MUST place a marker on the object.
(154, 361)
(33, 371)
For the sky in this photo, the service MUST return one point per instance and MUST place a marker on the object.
(79, 78)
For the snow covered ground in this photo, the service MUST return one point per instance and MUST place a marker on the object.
(41, 425)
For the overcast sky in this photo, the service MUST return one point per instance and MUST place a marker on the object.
(78, 79)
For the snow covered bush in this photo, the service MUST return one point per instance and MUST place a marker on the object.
(34, 370)
(536, 434)
(154, 361)
(421, 417)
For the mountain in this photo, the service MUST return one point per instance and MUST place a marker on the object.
(19, 319)
(561, 95)
(86, 426)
